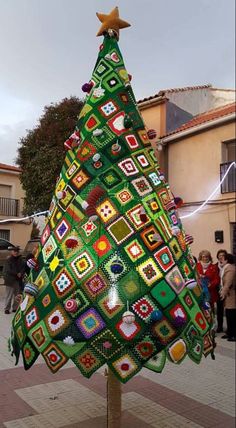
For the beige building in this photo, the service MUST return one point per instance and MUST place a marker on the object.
(194, 150)
(11, 205)
(194, 153)
(169, 109)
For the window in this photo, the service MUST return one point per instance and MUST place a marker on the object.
(229, 151)
(5, 191)
(228, 156)
(4, 234)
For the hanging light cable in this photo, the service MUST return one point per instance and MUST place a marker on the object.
(184, 216)
(24, 218)
(212, 194)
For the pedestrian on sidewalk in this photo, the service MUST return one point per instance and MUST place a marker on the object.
(208, 275)
(228, 295)
(221, 255)
(13, 272)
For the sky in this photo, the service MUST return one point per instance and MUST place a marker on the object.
(48, 49)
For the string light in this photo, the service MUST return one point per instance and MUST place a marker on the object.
(212, 194)
(24, 218)
(183, 216)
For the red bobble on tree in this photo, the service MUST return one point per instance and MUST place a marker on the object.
(151, 134)
(71, 242)
(87, 87)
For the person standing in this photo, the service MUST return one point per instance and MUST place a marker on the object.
(13, 272)
(221, 255)
(228, 295)
(208, 275)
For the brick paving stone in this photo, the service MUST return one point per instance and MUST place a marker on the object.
(226, 352)
(156, 403)
(184, 396)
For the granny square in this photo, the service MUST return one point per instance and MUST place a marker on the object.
(63, 283)
(151, 238)
(90, 323)
(102, 246)
(163, 331)
(145, 348)
(110, 178)
(82, 265)
(29, 353)
(144, 308)
(109, 309)
(157, 362)
(142, 186)
(154, 177)
(88, 361)
(128, 331)
(49, 248)
(175, 280)
(125, 367)
(132, 141)
(149, 271)
(62, 229)
(31, 317)
(175, 248)
(80, 179)
(106, 211)
(134, 250)
(92, 123)
(116, 123)
(124, 196)
(89, 227)
(135, 218)
(108, 108)
(120, 230)
(106, 344)
(164, 259)
(163, 294)
(177, 351)
(57, 320)
(95, 285)
(54, 357)
(128, 167)
(86, 151)
(39, 336)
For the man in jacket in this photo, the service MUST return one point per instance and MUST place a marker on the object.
(13, 273)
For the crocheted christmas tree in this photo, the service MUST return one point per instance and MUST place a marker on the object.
(113, 281)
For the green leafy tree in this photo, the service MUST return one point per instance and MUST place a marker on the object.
(41, 152)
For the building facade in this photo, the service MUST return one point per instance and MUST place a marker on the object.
(194, 158)
(11, 206)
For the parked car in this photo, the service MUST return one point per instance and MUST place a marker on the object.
(4, 252)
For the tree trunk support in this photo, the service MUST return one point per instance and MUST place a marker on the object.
(113, 400)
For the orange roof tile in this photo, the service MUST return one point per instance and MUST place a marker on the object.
(9, 167)
(163, 92)
(207, 116)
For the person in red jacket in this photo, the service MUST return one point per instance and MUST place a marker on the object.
(208, 273)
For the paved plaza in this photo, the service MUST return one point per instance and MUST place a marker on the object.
(183, 396)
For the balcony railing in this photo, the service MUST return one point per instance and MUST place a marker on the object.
(229, 183)
(9, 207)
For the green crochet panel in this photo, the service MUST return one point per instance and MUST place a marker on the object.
(136, 216)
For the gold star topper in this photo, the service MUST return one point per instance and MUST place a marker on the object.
(111, 22)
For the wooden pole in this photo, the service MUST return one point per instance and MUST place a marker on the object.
(113, 401)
